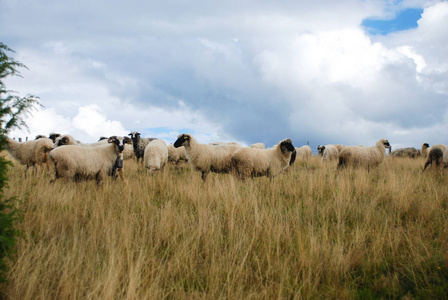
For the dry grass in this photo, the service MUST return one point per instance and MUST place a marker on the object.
(312, 232)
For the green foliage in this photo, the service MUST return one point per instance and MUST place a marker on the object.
(13, 109)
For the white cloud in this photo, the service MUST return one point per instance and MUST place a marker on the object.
(247, 71)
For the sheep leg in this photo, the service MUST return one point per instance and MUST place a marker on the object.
(204, 175)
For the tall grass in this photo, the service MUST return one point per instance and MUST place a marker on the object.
(312, 232)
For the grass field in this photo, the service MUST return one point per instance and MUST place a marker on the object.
(312, 232)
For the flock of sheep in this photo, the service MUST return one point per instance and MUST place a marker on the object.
(74, 160)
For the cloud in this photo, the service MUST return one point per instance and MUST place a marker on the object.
(250, 71)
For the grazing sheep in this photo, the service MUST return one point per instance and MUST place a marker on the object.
(258, 146)
(330, 152)
(139, 144)
(75, 162)
(250, 162)
(206, 158)
(368, 157)
(30, 153)
(409, 152)
(303, 153)
(176, 156)
(435, 154)
(156, 155)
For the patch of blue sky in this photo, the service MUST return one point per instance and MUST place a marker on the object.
(404, 20)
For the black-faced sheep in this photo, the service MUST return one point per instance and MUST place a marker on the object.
(156, 155)
(369, 157)
(250, 162)
(139, 144)
(424, 150)
(53, 136)
(206, 158)
(30, 153)
(75, 162)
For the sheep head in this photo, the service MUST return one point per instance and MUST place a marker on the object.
(61, 141)
(385, 143)
(119, 142)
(53, 136)
(286, 146)
(135, 136)
(320, 149)
(182, 140)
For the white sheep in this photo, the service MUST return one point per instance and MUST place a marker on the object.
(368, 157)
(252, 162)
(64, 140)
(206, 158)
(176, 156)
(30, 153)
(77, 162)
(424, 150)
(258, 146)
(340, 147)
(330, 153)
(435, 154)
(303, 153)
(156, 155)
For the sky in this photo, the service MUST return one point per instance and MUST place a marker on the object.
(318, 72)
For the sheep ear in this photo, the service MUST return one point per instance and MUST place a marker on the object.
(127, 140)
(112, 139)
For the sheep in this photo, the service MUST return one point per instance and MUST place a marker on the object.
(63, 140)
(176, 156)
(75, 162)
(369, 157)
(435, 154)
(320, 150)
(409, 152)
(424, 150)
(262, 162)
(206, 158)
(339, 147)
(53, 136)
(139, 144)
(329, 152)
(258, 146)
(304, 152)
(40, 136)
(30, 153)
(156, 155)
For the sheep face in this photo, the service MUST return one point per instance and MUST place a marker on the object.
(54, 136)
(135, 136)
(320, 149)
(61, 141)
(182, 140)
(286, 146)
(119, 142)
(386, 143)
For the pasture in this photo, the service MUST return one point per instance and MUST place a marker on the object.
(312, 232)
